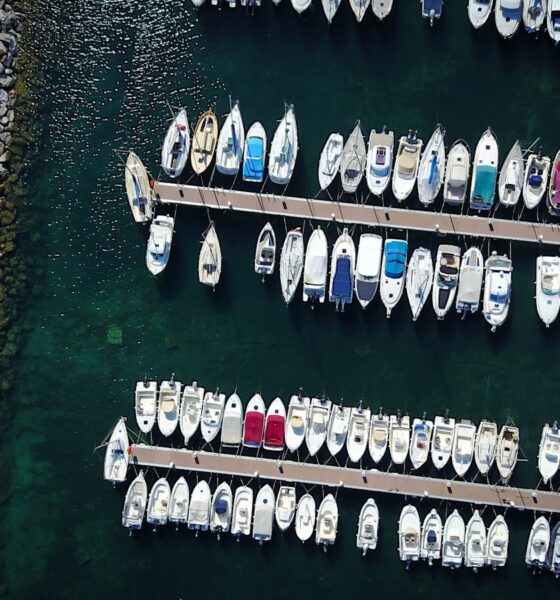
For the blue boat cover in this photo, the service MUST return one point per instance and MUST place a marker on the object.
(435, 5)
(483, 194)
(433, 170)
(395, 259)
(342, 284)
(253, 167)
(221, 506)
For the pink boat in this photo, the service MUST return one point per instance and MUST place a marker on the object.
(254, 423)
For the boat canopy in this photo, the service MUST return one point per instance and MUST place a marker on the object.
(369, 254)
(253, 167)
(470, 285)
(315, 270)
(342, 284)
(435, 5)
(231, 430)
(484, 188)
(274, 433)
(254, 427)
(221, 506)
(262, 525)
(395, 259)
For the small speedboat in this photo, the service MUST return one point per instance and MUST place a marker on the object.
(479, 12)
(210, 258)
(343, 265)
(475, 542)
(358, 433)
(534, 14)
(158, 503)
(359, 8)
(135, 503)
(327, 522)
(284, 146)
(300, 6)
(145, 404)
(419, 275)
(274, 426)
(409, 534)
(485, 446)
(471, 277)
(553, 555)
(538, 544)
(431, 537)
(463, 447)
(158, 249)
(296, 422)
(179, 502)
(199, 509)
(422, 430)
(446, 277)
(432, 9)
(317, 424)
(431, 170)
(265, 251)
(139, 193)
(453, 542)
(305, 517)
(353, 163)
(291, 263)
(338, 428)
(221, 509)
(506, 451)
(497, 289)
(253, 426)
(176, 145)
(229, 152)
(379, 160)
(315, 267)
(285, 510)
(548, 288)
(242, 512)
(263, 519)
(254, 154)
(329, 162)
(511, 179)
(549, 452)
(442, 441)
(553, 20)
(168, 406)
(485, 169)
(379, 436)
(116, 460)
(554, 187)
(381, 8)
(536, 179)
(399, 438)
(203, 147)
(330, 7)
(457, 173)
(212, 415)
(368, 265)
(508, 15)
(393, 273)
(191, 410)
(232, 424)
(406, 165)
(368, 526)
(497, 543)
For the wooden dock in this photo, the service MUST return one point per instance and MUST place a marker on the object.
(344, 477)
(350, 213)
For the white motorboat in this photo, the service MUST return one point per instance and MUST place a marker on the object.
(534, 14)
(296, 422)
(274, 426)
(510, 183)
(331, 155)
(442, 441)
(221, 509)
(538, 543)
(254, 154)
(497, 543)
(379, 436)
(399, 438)
(471, 277)
(406, 165)
(497, 289)
(359, 8)
(553, 555)
(508, 15)
(484, 173)
(253, 426)
(553, 20)
(330, 7)
(453, 543)
(265, 251)
(145, 404)
(305, 517)
(327, 522)
(379, 160)
(358, 433)
(291, 263)
(419, 276)
(548, 288)
(285, 510)
(475, 542)
(300, 6)
(422, 430)
(179, 502)
(263, 519)
(457, 173)
(232, 425)
(212, 415)
(381, 8)
(176, 145)
(446, 277)
(549, 452)
(315, 267)
(139, 193)
(553, 196)
(205, 137)
(231, 142)
(116, 460)
(199, 508)
(191, 410)
(485, 446)
(242, 512)
(343, 265)
(158, 503)
(338, 428)
(168, 406)
(210, 258)
(536, 179)
(506, 451)
(431, 170)
(284, 146)
(409, 534)
(431, 537)
(135, 503)
(393, 273)
(368, 265)
(463, 447)
(158, 249)
(368, 526)
(317, 424)
(479, 12)
(353, 163)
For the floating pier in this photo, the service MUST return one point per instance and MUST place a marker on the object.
(354, 478)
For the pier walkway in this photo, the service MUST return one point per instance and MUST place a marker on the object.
(362, 214)
(345, 477)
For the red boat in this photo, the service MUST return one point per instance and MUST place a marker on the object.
(274, 426)
(254, 422)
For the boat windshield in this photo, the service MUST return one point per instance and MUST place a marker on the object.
(498, 298)
(380, 171)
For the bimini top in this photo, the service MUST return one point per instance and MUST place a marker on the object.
(395, 259)
(342, 284)
(253, 427)
(274, 433)
(484, 188)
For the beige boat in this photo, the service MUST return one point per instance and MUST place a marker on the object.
(204, 141)
(138, 190)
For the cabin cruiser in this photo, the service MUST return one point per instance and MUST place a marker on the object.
(176, 145)
(471, 276)
(254, 154)
(242, 512)
(485, 446)
(393, 273)
(368, 525)
(231, 142)
(358, 433)
(381, 8)
(305, 517)
(399, 438)
(212, 415)
(420, 442)
(343, 265)
(553, 555)
(431, 170)
(419, 275)
(548, 288)
(296, 422)
(463, 447)
(158, 503)
(135, 503)
(285, 510)
(353, 161)
(534, 14)
(284, 149)
(263, 519)
(446, 276)
(338, 428)
(199, 508)
(210, 258)
(253, 426)
(145, 404)
(232, 424)
(315, 267)
(203, 147)
(327, 522)
(510, 184)
(291, 263)
(549, 452)
(316, 433)
(508, 15)
(553, 20)
(538, 544)
(191, 410)
(406, 165)
(221, 509)
(409, 535)
(479, 12)
(442, 441)
(457, 173)
(274, 426)
(168, 406)
(139, 193)
(432, 9)
(158, 249)
(497, 289)
(329, 162)
(379, 160)
(265, 251)
(497, 543)
(368, 265)
(379, 436)
(506, 451)
(536, 179)
(431, 537)
(453, 544)
(475, 542)
(554, 185)
(485, 169)
(179, 502)
(116, 454)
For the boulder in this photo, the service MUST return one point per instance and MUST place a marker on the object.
(6, 82)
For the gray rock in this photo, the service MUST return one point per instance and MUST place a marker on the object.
(4, 120)
(3, 110)
(6, 137)
(11, 115)
(6, 82)
(3, 97)
(5, 157)
(3, 49)
(8, 71)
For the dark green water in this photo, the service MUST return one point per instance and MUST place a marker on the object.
(109, 67)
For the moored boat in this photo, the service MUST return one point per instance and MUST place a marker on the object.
(508, 15)
(315, 267)
(305, 517)
(471, 277)
(553, 196)
(553, 20)
(291, 263)
(284, 147)
(510, 183)
(191, 410)
(358, 433)
(139, 193)
(265, 251)
(409, 535)
(507, 450)
(497, 543)
(406, 165)
(446, 277)
(317, 424)
(431, 170)
(479, 11)
(431, 537)
(381, 8)
(379, 436)
(343, 265)
(115, 465)
(393, 273)
(485, 169)
(419, 275)
(254, 154)
(176, 145)
(285, 509)
(263, 519)
(553, 555)
(145, 404)
(274, 426)
(330, 7)
(549, 452)
(221, 509)
(453, 542)
(242, 512)
(296, 422)
(232, 423)
(210, 258)
(135, 503)
(368, 265)
(158, 503)
(379, 160)
(329, 161)
(420, 442)
(203, 147)
(432, 10)
(497, 289)
(337, 431)
(359, 8)
(327, 522)
(399, 438)
(475, 542)
(212, 415)
(353, 163)
(534, 14)
(485, 446)
(231, 141)
(300, 6)
(253, 426)
(158, 248)
(548, 288)
(442, 440)
(179, 502)
(463, 447)
(168, 406)
(457, 173)
(536, 179)
(538, 544)
(368, 526)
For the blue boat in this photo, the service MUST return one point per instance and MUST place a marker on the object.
(432, 9)
(254, 154)
(394, 266)
(485, 172)
(343, 262)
